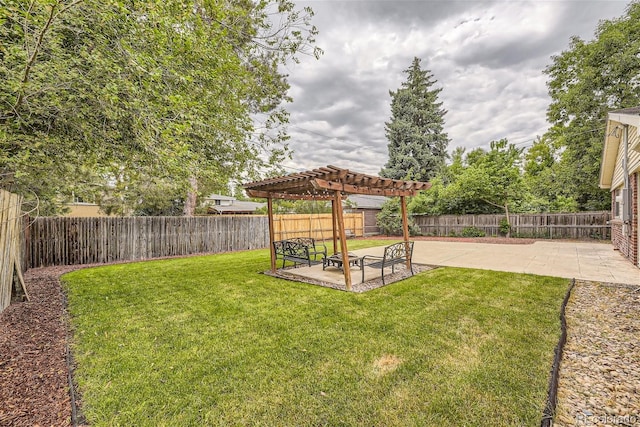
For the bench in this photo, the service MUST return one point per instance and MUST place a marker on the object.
(299, 250)
(398, 253)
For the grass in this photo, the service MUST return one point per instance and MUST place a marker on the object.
(211, 341)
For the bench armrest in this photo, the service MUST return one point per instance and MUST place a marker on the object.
(318, 249)
(372, 257)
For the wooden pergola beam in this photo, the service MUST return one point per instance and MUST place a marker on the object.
(343, 243)
(331, 179)
(288, 196)
(321, 184)
(272, 234)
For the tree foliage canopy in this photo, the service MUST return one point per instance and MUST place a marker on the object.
(161, 90)
(484, 182)
(417, 141)
(587, 81)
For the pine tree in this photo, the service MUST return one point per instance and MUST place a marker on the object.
(417, 142)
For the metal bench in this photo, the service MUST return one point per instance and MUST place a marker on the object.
(398, 253)
(300, 250)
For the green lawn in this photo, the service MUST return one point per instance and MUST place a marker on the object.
(211, 341)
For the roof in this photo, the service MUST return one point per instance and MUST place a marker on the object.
(630, 111)
(219, 197)
(612, 139)
(323, 183)
(363, 201)
(237, 207)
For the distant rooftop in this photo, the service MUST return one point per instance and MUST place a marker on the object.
(632, 110)
(238, 207)
(219, 197)
(365, 201)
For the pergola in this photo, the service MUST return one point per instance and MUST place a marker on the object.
(332, 183)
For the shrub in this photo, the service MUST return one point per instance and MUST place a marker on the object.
(505, 227)
(390, 220)
(472, 232)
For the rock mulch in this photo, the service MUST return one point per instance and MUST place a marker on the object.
(600, 369)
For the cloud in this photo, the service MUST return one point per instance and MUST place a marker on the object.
(488, 58)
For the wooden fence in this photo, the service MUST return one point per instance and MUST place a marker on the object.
(11, 246)
(71, 241)
(579, 225)
(318, 226)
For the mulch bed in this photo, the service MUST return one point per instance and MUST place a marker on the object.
(34, 377)
(34, 374)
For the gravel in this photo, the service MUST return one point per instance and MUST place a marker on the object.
(600, 368)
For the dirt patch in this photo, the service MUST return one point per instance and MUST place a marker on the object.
(385, 364)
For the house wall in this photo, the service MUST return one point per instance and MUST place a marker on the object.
(84, 210)
(624, 237)
(634, 158)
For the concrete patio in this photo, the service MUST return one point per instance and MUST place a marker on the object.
(592, 261)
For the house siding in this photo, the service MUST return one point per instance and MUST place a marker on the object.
(624, 237)
(634, 159)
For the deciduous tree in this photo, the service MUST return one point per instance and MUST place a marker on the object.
(173, 89)
(585, 82)
(486, 182)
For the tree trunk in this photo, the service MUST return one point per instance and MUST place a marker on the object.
(192, 195)
(506, 212)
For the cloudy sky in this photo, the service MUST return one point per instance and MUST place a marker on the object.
(487, 56)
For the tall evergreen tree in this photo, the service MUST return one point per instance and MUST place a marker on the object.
(417, 141)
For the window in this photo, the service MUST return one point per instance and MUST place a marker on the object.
(622, 207)
(617, 211)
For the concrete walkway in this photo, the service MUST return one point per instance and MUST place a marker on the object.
(592, 261)
(579, 260)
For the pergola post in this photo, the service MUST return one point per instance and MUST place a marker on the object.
(271, 234)
(334, 226)
(343, 240)
(405, 225)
